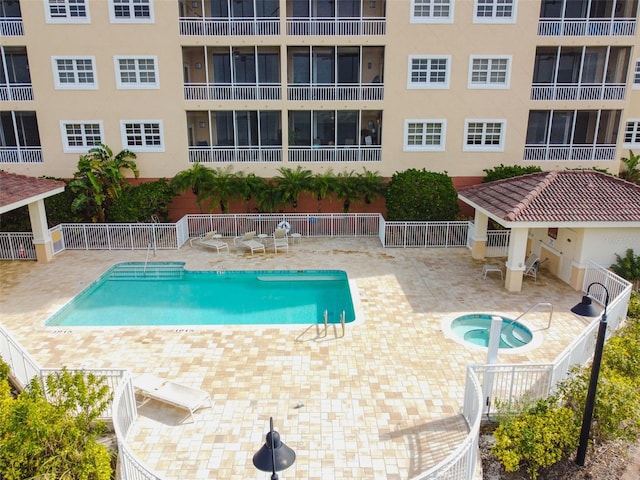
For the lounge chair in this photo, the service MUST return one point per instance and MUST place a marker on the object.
(173, 393)
(531, 265)
(247, 241)
(210, 240)
(280, 240)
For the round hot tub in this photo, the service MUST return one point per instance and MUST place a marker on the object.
(474, 328)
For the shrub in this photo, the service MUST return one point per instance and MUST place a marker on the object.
(536, 438)
(628, 267)
(419, 195)
(141, 202)
(501, 172)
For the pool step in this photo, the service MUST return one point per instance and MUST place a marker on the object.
(146, 271)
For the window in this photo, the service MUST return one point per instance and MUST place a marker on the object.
(142, 135)
(74, 73)
(424, 135)
(489, 72)
(80, 136)
(429, 72)
(131, 11)
(484, 135)
(632, 133)
(66, 11)
(494, 11)
(432, 11)
(636, 75)
(136, 72)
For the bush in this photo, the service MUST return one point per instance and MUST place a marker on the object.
(501, 172)
(536, 439)
(628, 267)
(419, 195)
(141, 202)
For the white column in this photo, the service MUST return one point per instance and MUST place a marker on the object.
(516, 259)
(40, 229)
(479, 240)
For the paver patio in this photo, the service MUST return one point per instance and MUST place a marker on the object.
(383, 401)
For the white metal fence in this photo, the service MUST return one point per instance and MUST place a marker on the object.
(424, 234)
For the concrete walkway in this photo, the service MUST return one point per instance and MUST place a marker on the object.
(383, 401)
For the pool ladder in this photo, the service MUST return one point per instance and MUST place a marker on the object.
(343, 317)
(536, 307)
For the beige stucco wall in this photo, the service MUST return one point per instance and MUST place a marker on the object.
(460, 39)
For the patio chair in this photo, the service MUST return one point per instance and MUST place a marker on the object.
(280, 240)
(531, 265)
(247, 241)
(210, 240)
(173, 393)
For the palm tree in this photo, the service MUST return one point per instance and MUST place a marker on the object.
(198, 179)
(372, 185)
(269, 197)
(249, 187)
(100, 180)
(322, 184)
(347, 189)
(293, 182)
(224, 187)
(631, 173)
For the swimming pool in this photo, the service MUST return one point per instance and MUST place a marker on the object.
(164, 293)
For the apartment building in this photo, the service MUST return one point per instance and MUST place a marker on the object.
(447, 85)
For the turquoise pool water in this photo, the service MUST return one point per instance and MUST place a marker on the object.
(166, 294)
(475, 328)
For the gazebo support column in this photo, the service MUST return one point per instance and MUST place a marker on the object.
(479, 240)
(40, 229)
(516, 259)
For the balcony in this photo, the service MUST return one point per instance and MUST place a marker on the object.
(11, 27)
(218, 154)
(338, 153)
(336, 92)
(587, 27)
(208, 91)
(570, 152)
(565, 91)
(336, 26)
(16, 92)
(222, 27)
(13, 154)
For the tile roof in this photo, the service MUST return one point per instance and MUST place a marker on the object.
(558, 196)
(16, 189)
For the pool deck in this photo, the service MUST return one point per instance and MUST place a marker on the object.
(382, 401)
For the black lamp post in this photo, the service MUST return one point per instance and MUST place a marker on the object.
(274, 454)
(586, 309)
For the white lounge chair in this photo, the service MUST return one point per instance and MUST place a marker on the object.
(280, 240)
(531, 265)
(173, 393)
(210, 240)
(247, 241)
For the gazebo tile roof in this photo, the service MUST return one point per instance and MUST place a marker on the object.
(16, 188)
(558, 196)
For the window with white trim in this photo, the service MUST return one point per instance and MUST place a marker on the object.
(142, 135)
(484, 135)
(66, 11)
(494, 11)
(424, 135)
(432, 11)
(489, 72)
(80, 136)
(636, 75)
(131, 11)
(136, 72)
(429, 72)
(74, 73)
(632, 133)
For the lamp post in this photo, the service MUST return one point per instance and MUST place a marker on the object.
(586, 309)
(274, 455)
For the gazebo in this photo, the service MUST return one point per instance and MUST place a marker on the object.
(19, 190)
(565, 217)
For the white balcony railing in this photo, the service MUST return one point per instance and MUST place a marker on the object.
(216, 154)
(570, 152)
(336, 92)
(11, 27)
(16, 92)
(229, 26)
(208, 91)
(336, 26)
(586, 27)
(338, 153)
(571, 91)
(21, 155)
